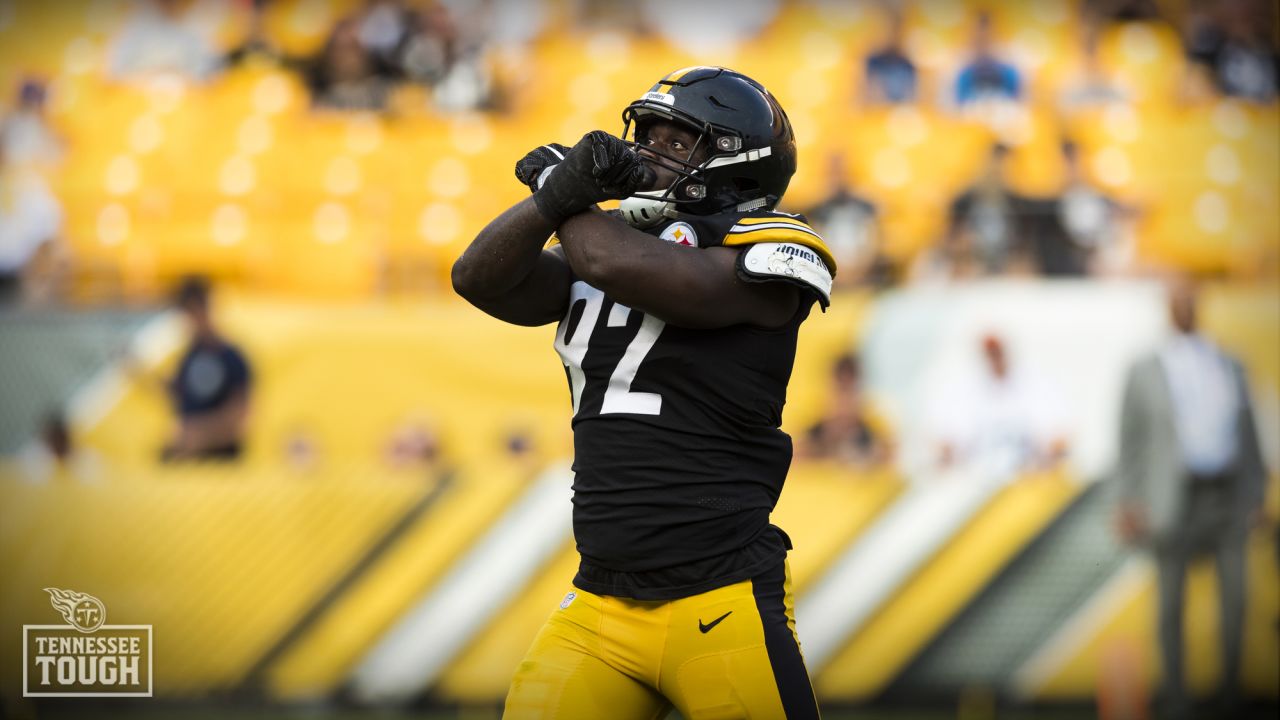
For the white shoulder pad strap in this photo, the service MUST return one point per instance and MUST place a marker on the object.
(787, 261)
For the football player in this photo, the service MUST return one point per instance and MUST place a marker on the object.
(678, 316)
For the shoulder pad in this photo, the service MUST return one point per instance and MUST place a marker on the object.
(778, 227)
(786, 261)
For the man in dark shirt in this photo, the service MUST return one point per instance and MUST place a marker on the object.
(210, 391)
(1236, 48)
(850, 224)
(986, 77)
(890, 75)
(983, 233)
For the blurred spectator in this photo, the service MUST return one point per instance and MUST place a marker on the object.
(512, 24)
(468, 86)
(55, 456)
(257, 47)
(414, 446)
(1076, 231)
(1054, 251)
(985, 77)
(382, 27)
(302, 450)
(849, 224)
(993, 230)
(346, 76)
(389, 42)
(464, 38)
(720, 23)
(1094, 222)
(210, 391)
(521, 448)
(1089, 86)
(889, 75)
(55, 437)
(1234, 41)
(157, 38)
(429, 45)
(594, 16)
(847, 432)
(1101, 12)
(1191, 479)
(1006, 419)
(25, 133)
(30, 223)
(982, 235)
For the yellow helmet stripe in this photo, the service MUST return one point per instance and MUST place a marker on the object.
(772, 219)
(664, 84)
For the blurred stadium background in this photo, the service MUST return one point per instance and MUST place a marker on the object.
(397, 527)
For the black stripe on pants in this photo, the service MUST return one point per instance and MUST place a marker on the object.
(794, 688)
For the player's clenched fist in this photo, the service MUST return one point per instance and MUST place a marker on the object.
(533, 168)
(600, 167)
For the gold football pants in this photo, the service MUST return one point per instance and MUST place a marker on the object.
(728, 653)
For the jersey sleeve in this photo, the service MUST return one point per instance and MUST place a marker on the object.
(782, 247)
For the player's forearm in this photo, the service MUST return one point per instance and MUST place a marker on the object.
(503, 254)
(612, 256)
(682, 286)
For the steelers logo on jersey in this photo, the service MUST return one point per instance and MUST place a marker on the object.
(680, 233)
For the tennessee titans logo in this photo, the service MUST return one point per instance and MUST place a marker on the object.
(83, 611)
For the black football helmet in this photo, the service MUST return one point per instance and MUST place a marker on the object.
(752, 150)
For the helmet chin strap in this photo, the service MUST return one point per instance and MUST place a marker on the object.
(646, 209)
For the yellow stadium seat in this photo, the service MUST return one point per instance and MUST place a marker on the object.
(300, 27)
(246, 147)
(1198, 232)
(1036, 166)
(50, 38)
(911, 163)
(330, 254)
(1146, 56)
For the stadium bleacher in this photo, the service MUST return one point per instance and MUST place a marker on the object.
(235, 178)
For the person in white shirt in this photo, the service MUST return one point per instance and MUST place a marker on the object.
(159, 38)
(30, 220)
(1008, 419)
(1191, 480)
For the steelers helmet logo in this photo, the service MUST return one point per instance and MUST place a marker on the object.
(680, 233)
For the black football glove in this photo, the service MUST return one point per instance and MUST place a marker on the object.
(600, 167)
(533, 169)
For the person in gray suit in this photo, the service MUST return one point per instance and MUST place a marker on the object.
(1191, 481)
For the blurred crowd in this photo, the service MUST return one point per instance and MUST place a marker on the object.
(390, 55)
(1079, 229)
(383, 56)
(367, 53)
(377, 53)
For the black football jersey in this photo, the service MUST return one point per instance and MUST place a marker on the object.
(679, 458)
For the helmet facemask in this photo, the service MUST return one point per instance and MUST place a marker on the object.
(649, 207)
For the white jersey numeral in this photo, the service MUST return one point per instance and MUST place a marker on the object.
(618, 396)
(573, 351)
